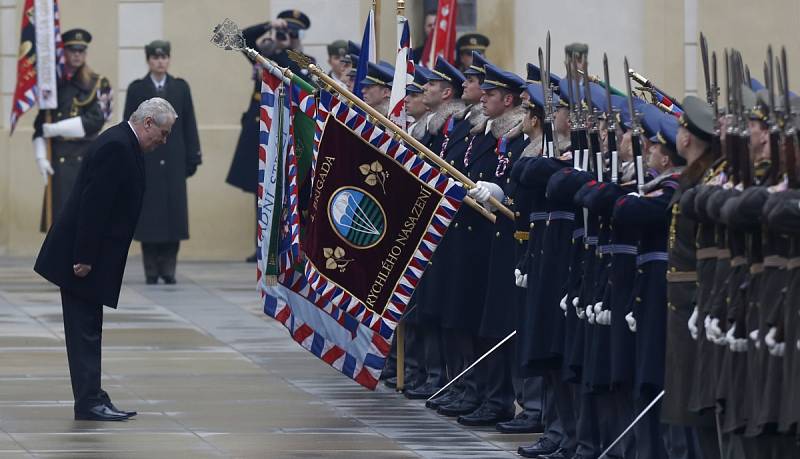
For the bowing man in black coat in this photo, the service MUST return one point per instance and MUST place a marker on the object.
(164, 221)
(86, 249)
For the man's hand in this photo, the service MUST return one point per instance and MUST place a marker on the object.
(81, 270)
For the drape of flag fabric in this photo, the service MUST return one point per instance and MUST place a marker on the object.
(443, 42)
(41, 58)
(365, 248)
(403, 75)
(369, 53)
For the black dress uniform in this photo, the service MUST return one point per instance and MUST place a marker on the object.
(80, 96)
(164, 221)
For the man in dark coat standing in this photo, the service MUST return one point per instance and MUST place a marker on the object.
(86, 249)
(165, 217)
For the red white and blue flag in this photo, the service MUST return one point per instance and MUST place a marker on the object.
(41, 58)
(403, 75)
(364, 249)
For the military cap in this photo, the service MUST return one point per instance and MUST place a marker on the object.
(667, 131)
(536, 96)
(697, 117)
(497, 78)
(295, 19)
(445, 71)
(624, 117)
(378, 74)
(472, 42)
(337, 48)
(478, 64)
(421, 76)
(353, 58)
(651, 119)
(535, 75)
(756, 85)
(157, 48)
(576, 48)
(76, 38)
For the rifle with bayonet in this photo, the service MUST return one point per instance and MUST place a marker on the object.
(712, 92)
(789, 132)
(592, 127)
(581, 149)
(742, 116)
(611, 125)
(636, 132)
(660, 98)
(574, 131)
(550, 137)
(774, 174)
(731, 134)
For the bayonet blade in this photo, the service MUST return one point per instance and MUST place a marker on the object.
(634, 123)
(609, 110)
(706, 75)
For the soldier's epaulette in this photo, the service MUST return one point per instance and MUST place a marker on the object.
(96, 83)
(716, 175)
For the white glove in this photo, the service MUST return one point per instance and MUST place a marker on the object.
(693, 324)
(590, 314)
(485, 190)
(601, 316)
(631, 321)
(521, 280)
(579, 311)
(776, 349)
(754, 337)
(563, 303)
(735, 344)
(70, 127)
(798, 345)
(40, 153)
(635, 194)
(713, 332)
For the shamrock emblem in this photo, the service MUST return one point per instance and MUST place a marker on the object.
(374, 174)
(334, 258)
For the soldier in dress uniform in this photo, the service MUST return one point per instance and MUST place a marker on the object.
(690, 434)
(376, 87)
(490, 157)
(272, 39)
(337, 51)
(466, 44)
(442, 95)
(164, 220)
(83, 107)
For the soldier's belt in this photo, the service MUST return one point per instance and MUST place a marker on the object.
(605, 249)
(624, 249)
(561, 215)
(793, 263)
(651, 256)
(521, 235)
(757, 268)
(775, 261)
(706, 253)
(537, 216)
(682, 276)
(738, 261)
(723, 254)
(592, 240)
(578, 233)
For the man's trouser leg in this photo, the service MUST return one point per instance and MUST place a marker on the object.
(434, 362)
(459, 353)
(150, 259)
(529, 393)
(563, 398)
(587, 433)
(648, 431)
(499, 391)
(167, 258)
(83, 330)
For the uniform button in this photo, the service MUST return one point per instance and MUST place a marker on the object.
(455, 225)
(61, 160)
(497, 234)
(532, 224)
(673, 269)
(469, 228)
(508, 180)
(161, 162)
(638, 299)
(80, 158)
(640, 271)
(480, 175)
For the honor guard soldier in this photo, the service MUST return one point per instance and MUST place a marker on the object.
(490, 157)
(376, 87)
(164, 220)
(337, 51)
(272, 39)
(468, 43)
(84, 99)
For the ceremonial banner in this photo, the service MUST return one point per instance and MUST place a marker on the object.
(41, 58)
(444, 34)
(369, 53)
(376, 213)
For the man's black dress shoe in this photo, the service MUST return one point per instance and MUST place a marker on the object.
(151, 280)
(421, 392)
(445, 398)
(523, 423)
(391, 383)
(101, 413)
(113, 407)
(169, 280)
(458, 408)
(541, 447)
(484, 416)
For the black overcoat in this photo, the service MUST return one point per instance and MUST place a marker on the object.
(165, 214)
(98, 220)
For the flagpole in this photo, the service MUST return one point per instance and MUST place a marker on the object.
(421, 149)
(400, 370)
(48, 190)
(236, 43)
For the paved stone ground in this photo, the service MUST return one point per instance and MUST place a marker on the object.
(210, 375)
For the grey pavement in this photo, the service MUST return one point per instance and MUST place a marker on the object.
(210, 375)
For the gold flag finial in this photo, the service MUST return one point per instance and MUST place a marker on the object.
(301, 59)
